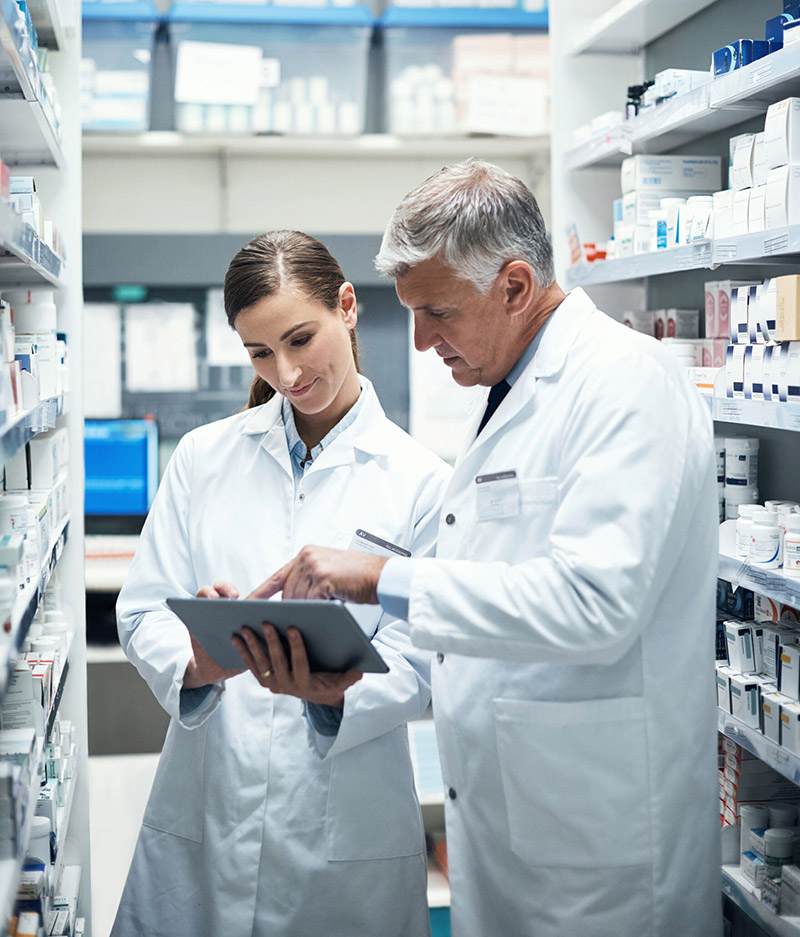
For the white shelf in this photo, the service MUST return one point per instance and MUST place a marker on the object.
(22, 427)
(777, 247)
(694, 256)
(10, 868)
(631, 24)
(772, 754)
(46, 16)
(25, 260)
(766, 413)
(27, 124)
(744, 894)
(763, 82)
(773, 583)
(602, 151)
(370, 146)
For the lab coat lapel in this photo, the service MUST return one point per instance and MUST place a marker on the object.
(562, 330)
(267, 421)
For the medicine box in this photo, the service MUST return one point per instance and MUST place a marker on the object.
(739, 315)
(742, 163)
(734, 371)
(787, 308)
(782, 133)
(790, 727)
(741, 211)
(771, 715)
(789, 671)
(741, 652)
(259, 68)
(782, 202)
(756, 209)
(672, 173)
(745, 699)
(117, 45)
(754, 372)
(789, 375)
(455, 70)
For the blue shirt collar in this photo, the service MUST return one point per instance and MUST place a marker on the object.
(527, 356)
(297, 448)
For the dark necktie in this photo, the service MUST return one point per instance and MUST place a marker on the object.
(496, 396)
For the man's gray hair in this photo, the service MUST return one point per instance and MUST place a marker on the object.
(475, 218)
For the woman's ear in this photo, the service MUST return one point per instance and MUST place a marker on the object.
(348, 305)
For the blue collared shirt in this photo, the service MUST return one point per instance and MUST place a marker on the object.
(394, 585)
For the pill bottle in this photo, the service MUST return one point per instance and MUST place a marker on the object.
(719, 449)
(766, 543)
(782, 816)
(744, 528)
(752, 817)
(39, 845)
(736, 495)
(741, 461)
(13, 514)
(778, 850)
(791, 544)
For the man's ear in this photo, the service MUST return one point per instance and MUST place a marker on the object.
(517, 286)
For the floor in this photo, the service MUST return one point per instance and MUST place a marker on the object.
(118, 789)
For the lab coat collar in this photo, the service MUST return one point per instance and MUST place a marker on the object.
(563, 327)
(367, 434)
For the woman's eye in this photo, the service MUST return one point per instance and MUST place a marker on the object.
(261, 354)
(302, 341)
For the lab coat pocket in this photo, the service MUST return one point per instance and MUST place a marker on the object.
(575, 778)
(373, 809)
(176, 803)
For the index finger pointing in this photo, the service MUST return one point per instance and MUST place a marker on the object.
(271, 586)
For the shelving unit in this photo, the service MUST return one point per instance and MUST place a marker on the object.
(32, 143)
(633, 36)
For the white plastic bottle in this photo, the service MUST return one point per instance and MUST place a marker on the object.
(741, 461)
(791, 544)
(766, 543)
(744, 528)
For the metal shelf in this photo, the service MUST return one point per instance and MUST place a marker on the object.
(743, 894)
(602, 150)
(757, 247)
(631, 24)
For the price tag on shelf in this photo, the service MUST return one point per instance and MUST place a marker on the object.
(726, 251)
(761, 74)
(731, 410)
(777, 244)
(791, 417)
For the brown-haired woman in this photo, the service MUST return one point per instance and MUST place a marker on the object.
(272, 814)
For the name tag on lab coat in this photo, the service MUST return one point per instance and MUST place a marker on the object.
(498, 495)
(365, 542)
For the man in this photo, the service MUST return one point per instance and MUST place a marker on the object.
(571, 601)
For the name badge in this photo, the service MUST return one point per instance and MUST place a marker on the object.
(498, 495)
(365, 542)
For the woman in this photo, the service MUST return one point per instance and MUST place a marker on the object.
(272, 815)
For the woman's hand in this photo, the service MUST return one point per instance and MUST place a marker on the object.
(292, 678)
(201, 669)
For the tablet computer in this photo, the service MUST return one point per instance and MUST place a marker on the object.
(333, 639)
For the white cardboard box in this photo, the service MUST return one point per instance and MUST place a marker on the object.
(782, 133)
(742, 164)
(672, 173)
(790, 727)
(745, 700)
(741, 652)
(771, 714)
(789, 375)
(754, 372)
(782, 203)
(741, 211)
(760, 168)
(755, 211)
(789, 671)
(723, 213)
(740, 314)
(734, 371)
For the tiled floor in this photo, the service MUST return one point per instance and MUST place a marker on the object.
(118, 790)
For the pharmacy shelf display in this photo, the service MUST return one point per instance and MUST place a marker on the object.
(30, 137)
(27, 121)
(776, 246)
(726, 101)
(25, 260)
(742, 893)
(702, 118)
(629, 25)
(772, 754)
(22, 427)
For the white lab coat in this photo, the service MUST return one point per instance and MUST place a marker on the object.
(573, 693)
(256, 825)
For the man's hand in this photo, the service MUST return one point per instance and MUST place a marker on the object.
(292, 678)
(322, 573)
(201, 669)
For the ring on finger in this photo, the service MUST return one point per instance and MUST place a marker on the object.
(266, 673)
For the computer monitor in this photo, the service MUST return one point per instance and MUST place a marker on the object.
(121, 465)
